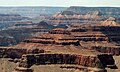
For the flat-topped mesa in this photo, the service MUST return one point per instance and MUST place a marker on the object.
(66, 54)
(98, 61)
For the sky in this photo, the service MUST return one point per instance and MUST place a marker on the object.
(61, 3)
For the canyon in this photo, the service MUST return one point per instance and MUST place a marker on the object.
(69, 41)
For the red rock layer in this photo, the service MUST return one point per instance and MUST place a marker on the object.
(84, 60)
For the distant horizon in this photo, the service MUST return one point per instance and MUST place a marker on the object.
(59, 6)
(60, 3)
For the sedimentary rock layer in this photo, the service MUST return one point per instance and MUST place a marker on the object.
(17, 53)
(99, 61)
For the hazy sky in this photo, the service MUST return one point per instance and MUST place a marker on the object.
(65, 3)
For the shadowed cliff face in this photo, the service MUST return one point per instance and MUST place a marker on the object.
(87, 61)
(112, 33)
(23, 30)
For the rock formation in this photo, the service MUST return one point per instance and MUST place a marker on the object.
(99, 61)
(101, 38)
(23, 30)
(110, 22)
(76, 45)
(82, 43)
(70, 17)
(103, 11)
(69, 46)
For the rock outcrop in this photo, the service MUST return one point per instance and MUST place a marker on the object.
(98, 61)
(17, 53)
(109, 22)
(23, 30)
(78, 45)
(104, 39)
(70, 17)
(67, 51)
(103, 11)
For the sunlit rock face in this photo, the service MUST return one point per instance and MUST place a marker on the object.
(103, 11)
(85, 15)
(110, 22)
(70, 17)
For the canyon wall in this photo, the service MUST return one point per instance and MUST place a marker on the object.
(17, 53)
(84, 60)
